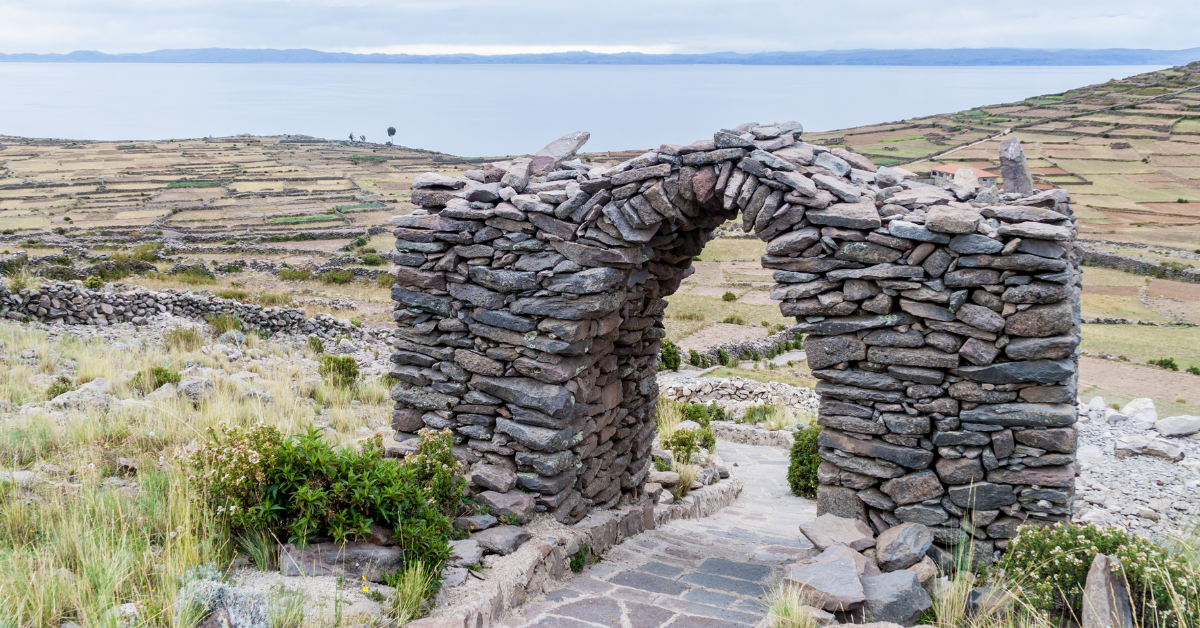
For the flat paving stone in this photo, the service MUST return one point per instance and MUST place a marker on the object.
(744, 571)
(705, 573)
(661, 569)
(648, 582)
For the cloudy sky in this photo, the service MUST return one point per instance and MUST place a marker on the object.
(656, 26)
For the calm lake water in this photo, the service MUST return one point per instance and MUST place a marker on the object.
(477, 110)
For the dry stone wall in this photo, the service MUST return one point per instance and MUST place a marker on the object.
(941, 323)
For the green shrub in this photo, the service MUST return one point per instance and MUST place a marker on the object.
(695, 358)
(802, 467)
(315, 345)
(223, 322)
(300, 487)
(758, 414)
(295, 274)
(151, 380)
(684, 443)
(336, 276)
(93, 282)
(147, 252)
(724, 359)
(661, 464)
(359, 241)
(385, 280)
(59, 386)
(1050, 564)
(729, 296)
(372, 259)
(1194, 370)
(579, 559)
(669, 355)
(1165, 363)
(703, 414)
(341, 370)
(734, 319)
(356, 322)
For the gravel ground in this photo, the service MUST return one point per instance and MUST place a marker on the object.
(1149, 496)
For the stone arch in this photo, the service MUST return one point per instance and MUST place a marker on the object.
(942, 323)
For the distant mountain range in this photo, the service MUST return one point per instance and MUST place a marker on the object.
(928, 56)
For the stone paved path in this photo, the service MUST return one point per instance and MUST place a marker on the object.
(707, 573)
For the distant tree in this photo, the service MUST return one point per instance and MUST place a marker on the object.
(362, 138)
(391, 133)
(351, 138)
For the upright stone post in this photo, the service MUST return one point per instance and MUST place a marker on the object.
(1018, 179)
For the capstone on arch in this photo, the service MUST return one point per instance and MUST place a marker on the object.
(941, 322)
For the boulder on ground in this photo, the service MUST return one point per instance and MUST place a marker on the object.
(896, 597)
(1137, 445)
(829, 530)
(353, 561)
(1181, 425)
(1105, 596)
(1140, 410)
(831, 585)
(902, 546)
(502, 540)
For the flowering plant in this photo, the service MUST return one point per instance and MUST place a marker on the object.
(1050, 564)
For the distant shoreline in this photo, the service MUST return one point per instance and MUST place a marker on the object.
(965, 57)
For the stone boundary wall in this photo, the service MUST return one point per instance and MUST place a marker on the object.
(734, 394)
(943, 324)
(1137, 265)
(72, 304)
(738, 348)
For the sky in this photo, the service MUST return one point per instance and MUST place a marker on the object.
(651, 26)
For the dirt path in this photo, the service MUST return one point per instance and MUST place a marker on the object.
(706, 573)
(1143, 381)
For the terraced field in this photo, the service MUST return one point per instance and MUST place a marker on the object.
(1128, 150)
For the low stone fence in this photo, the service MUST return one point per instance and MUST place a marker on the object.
(72, 304)
(743, 348)
(1138, 266)
(734, 394)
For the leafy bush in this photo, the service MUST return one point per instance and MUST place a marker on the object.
(341, 370)
(1194, 370)
(1050, 564)
(147, 252)
(758, 414)
(695, 358)
(336, 276)
(223, 322)
(295, 274)
(300, 487)
(803, 463)
(356, 322)
(93, 282)
(59, 386)
(734, 319)
(729, 296)
(372, 259)
(151, 380)
(703, 414)
(385, 280)
(579, 559)
(669, 355)
(1165, 363)
(724, 359)
(315, 345)
(684, 443)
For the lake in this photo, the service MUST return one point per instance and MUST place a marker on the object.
(475, 110)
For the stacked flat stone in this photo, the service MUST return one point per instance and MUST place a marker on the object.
(72, 304)
(942, 323)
